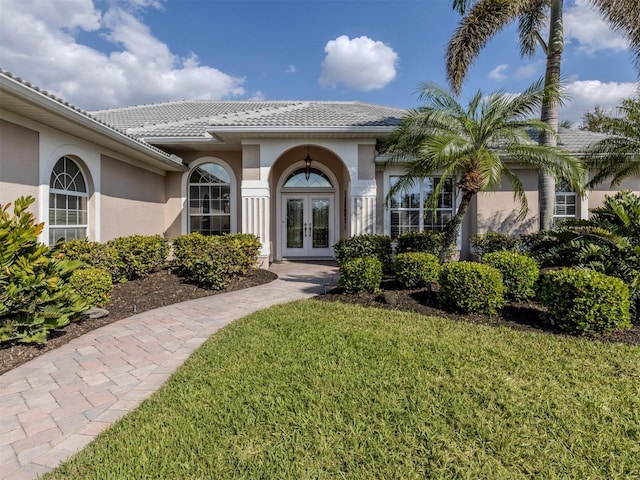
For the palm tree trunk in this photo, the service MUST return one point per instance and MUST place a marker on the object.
(451, 229)
(549, 113)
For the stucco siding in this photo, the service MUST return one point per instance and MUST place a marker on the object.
(19, 163)
(599, 192)
(132, 200)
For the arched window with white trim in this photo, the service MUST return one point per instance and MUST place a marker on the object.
(68, 200)
(210, 200)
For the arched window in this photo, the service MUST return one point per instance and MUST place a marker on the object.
(210, 200)
(68, 198)
(316, 179)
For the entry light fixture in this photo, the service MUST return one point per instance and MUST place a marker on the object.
(307, 165)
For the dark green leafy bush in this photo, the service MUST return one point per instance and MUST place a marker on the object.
(519, 273)
(94, 254)
(378, 246)
(35, 294)
(361, 275)
(609, 243)
(416, 269)
(94, 285)
(139, 255)
(213, 262)
(471, 287)
(585, 301)
(428, 242)
(493, 242)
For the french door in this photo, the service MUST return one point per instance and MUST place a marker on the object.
(307, 225)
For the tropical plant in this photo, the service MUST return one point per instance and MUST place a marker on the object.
(483, 19)
(617, 156)
(609, 242)
(473, 145)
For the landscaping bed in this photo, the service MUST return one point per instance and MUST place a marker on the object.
(157, 290)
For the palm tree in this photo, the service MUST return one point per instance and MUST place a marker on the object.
(618, 155)
(482, 19)
(476, 146)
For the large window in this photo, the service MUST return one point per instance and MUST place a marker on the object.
(210, 200)
(565, 203)
(409, 212)
(68, 200)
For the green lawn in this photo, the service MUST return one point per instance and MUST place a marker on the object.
(324, 390)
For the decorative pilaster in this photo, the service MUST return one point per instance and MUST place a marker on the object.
(363, 208)
(256, 217)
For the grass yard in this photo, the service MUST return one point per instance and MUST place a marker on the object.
(326, 390)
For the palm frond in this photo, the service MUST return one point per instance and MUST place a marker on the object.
(531, 22)
(623, 16)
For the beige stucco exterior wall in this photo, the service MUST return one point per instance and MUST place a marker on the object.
(19, 163)
(598, 193)
(132, 201)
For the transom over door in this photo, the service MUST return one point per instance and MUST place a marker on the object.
(307, 225)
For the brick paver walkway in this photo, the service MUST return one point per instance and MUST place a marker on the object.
(57, 403)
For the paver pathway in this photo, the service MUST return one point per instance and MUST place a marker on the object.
(57, 403)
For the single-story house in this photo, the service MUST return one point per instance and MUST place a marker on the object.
(298, 174)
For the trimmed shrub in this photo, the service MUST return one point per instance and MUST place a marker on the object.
(378, 246)
(139, 255)
(361, 275)
(519, 273)
(471, 287)
(416, 269)
(94, 285)
(94, 254)
(585, 301)
(428, 242)
(493, 242)
(213, 262)
(35, 294)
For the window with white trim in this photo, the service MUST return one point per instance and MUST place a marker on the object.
(210, 200)
(68, 199)
(565, 205)
(408, 208)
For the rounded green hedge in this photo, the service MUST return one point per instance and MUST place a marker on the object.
(416, 269)
(519, 273)
(361, 275)
(471, 287)
(585, 301)
(427, 242)
(358, 246)
(94, 285)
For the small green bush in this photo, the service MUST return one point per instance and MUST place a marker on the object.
(471, 287)
(416, 269)
(519, 273)
(35, 294)
(139, 255)
(213, 262)
(378, 246)
(361, 275)
(94, 285)
(493, 242)
(585, 301)
(94, 254)
(427, 241)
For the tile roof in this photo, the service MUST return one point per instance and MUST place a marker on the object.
(192, 118)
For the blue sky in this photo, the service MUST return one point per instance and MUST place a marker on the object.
(109, 53)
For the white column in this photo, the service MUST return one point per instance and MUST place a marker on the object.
(256, 218)
(363, 207)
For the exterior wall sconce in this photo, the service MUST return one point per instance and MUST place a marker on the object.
(307, 165)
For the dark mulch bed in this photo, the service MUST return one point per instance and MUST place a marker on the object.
(162, 288)
(521, 316)
(157, 290)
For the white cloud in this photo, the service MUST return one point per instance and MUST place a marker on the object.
(527, 71)
(498, 73)
(140, 68)
(360, 64)
(584, 95)
(291, 69)
(584, 25)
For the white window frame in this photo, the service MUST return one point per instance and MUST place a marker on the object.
(421, 201)
(186, 226)
(563, 192)
(66, 193)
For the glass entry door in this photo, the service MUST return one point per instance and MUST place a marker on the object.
(307, 221)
